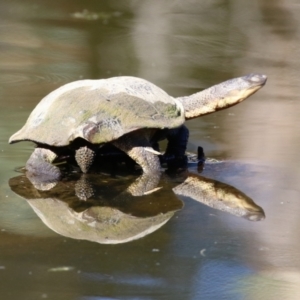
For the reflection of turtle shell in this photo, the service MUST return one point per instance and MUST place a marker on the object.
(119, 219)
(100, 111)
(103, 225)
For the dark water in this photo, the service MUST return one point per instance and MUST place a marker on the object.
(182, 46)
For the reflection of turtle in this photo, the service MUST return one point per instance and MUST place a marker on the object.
(109, 217)
(131, 113)
(111, 214)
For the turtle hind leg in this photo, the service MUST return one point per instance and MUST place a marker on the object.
(85, 157)
(39, 167)
(139, 149)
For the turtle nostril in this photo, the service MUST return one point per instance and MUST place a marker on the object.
(257, 78)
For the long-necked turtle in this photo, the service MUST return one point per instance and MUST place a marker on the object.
(129, 112)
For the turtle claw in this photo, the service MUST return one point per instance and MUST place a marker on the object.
(151, 150)
(153, 190)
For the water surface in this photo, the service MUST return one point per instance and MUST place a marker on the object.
(183, 47)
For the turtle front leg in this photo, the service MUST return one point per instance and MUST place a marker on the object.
(140, 150)
(40, 171)
(177, 143)
(85, 157)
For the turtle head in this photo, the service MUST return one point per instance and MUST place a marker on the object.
(239, 89)
(222, 95)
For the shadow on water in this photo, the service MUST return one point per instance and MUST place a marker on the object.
(99, 208)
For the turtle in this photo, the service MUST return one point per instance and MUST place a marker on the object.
(130, 113)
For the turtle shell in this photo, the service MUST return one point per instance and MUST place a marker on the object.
(100, 111)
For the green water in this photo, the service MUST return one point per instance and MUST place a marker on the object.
(183, 47)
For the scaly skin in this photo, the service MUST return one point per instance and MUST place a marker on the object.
(85, 157)
(137, 146)
(41, 172)
(222, 95)
(220, 196)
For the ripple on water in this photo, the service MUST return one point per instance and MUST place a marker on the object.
(29, 78)
(30, 56)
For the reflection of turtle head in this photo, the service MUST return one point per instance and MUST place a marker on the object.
(220, 196)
